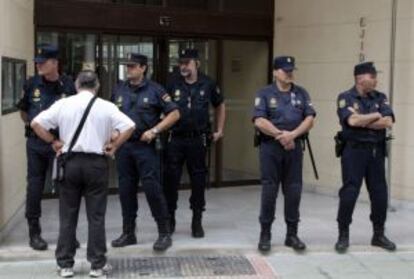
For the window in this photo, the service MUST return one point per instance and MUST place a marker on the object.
(13, 76)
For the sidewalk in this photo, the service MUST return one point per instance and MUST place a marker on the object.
(232, 229)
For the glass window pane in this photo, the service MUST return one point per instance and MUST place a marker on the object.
(13, 77)
(76, 51)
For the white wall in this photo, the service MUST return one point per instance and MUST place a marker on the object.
(17, 40)
(324, 35)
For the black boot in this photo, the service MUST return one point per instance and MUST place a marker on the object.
(127, 237)
(379, 239)
(292, 239)
(196, 224)
(164, 240)
(36, 240)
(343, 240)
(265, 238)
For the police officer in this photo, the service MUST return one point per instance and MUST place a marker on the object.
(364, 115)
(143, 101)
(189, 140)
(283, 113)
(40, 92)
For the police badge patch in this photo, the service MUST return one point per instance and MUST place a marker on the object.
(273, 103)
(177, 95)
(119, 101)
(36, 95)
(342, 103)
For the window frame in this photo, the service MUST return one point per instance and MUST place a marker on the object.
(16, 94)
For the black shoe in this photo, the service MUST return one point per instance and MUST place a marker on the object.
(124, 240)
(38, 243)
(197, 230)
(295, 242)
(265, 241)
(292, 239)
(380, 240)
(127, 237)
(163, 242)
(36, 240)
(343, 241)
(77, 244)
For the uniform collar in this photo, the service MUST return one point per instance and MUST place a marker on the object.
(143, 83)
(355, 94)
(41, 81)
(201, 78)
(276, 89)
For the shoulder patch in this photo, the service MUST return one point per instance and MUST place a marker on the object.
(342, 103)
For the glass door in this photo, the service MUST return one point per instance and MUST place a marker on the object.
(115, 49)
(208, 65)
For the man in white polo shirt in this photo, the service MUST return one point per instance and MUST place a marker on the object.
(86, 167)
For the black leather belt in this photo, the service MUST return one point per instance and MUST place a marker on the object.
(85, 154)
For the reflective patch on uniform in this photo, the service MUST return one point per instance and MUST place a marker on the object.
(386, 102)
(342, 103)
(257, 102)
(377, 106)
(273, 103)
(145, 100)
(202, 93)
(218, 90)
(166, 98)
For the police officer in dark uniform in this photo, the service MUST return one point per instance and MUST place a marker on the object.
(40, 92)
(144, 102)
(190, 138)
(364, 115)
(283, 113)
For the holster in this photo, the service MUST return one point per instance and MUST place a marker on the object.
(256, 138)
(339, 144)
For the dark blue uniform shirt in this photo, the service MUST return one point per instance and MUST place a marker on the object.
(193, 101)
(373, 102)
(143, 103)
(40, 94)
(285, 110)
